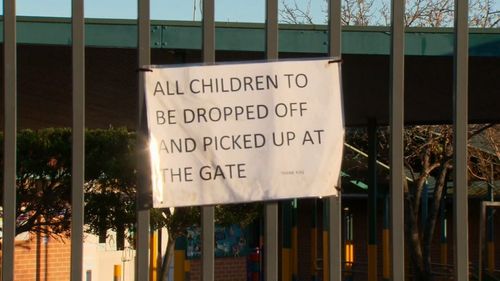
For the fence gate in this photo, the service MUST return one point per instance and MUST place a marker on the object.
(271, 209)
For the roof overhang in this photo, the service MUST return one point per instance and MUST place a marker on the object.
(44, 68)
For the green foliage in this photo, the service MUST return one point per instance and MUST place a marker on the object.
(44, 180)
(44, 186)
(242, 214)
(225, 215)
(110, 182)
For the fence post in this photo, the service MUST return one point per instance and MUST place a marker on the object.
(78, 142)
(460, 130)
(10, 138)
(208, 212)
(335, 202)
(372, 200)
(396, 124)
(143, 187)
(271, 209)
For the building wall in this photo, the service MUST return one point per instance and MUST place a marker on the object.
(45, 258)
(226, 269)
(42, 258)
(99, 259)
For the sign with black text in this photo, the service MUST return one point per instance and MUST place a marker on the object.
(244, 132)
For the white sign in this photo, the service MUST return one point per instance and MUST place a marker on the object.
(244, 132)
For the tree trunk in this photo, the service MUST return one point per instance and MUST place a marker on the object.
(413, 241)
(430, 226)
(102, 234)
(167, 260)
(120, 237)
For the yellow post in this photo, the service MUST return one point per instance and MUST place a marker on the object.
(314, 242)
(294, 260)
(326, 256)
(444, 256)
(117, 272)
(491, 257)
(286, 240)
(372, 266)
(386, 254)
(181, 265)
(153, 256)
(349, 255)
(285, 264)
(314, 252)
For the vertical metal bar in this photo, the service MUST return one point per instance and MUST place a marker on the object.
(10, 111)
(326, 243)
(335, 222)
(271, 209)
(372, 200)
(208, 214)
(207, 251)
(485, 207)
(335, 28)
(314, 241)
(460, 120)
(143, 187)
(286, 238)
(444, 234)
(78, 134)
(295, 242)
(208, 32)
(335, 202)
(396, 142)
(272, 29)
(490, 228)
(385, 241)
(482, 235)
(271, 242)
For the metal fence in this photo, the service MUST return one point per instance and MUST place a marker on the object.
(271, 209)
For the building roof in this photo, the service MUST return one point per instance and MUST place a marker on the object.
(310, 39)
(44, 68)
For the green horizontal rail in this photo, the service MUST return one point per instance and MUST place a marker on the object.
(110, 33)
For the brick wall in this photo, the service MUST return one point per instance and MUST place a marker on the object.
(42, 258)
(226, 269)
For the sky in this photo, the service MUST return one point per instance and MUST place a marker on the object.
(225, 10)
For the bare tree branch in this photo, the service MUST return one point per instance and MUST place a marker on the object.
(422, 13)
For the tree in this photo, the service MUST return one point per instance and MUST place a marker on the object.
(428, 149)
(484, 153)
(421, 13)
(110, 186)
(428, 162)
(44, 189)
(43, 180)
(179, 219)
(295, 13)
(428, 153)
